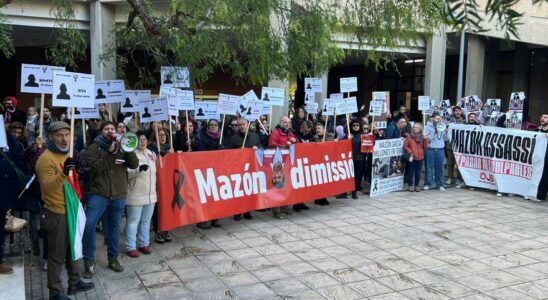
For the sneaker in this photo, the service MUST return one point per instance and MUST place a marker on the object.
(535, 199)
(426, 188)
(89, 269)
(442, 189)
(204, 225)
(145, 249)
(278, 216)
(354, 195)
(511, 195)
(80, 287)
(45, 267)
(132, 253)
(115, 265)
(167, 236)
(159, 237)
(341, 196)
(6, 269)
(499, 195)
(526, 198)
(448, 181)
(458, 186)
(248, 216)
(411, 189)
(417, 189)
(296, 208)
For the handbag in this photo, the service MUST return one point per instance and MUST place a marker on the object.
(405, 157)
(14, 224)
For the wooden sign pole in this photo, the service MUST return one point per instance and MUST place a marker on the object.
(170, 134)
(71, 143)
(84, 131)
(245, 136)
(222, 129)
(135, 121)
(347, 118)
(158, 144)
(188, 131)
(41, 125)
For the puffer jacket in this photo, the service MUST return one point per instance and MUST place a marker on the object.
(141, 188)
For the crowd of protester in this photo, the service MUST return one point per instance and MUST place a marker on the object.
(117, 183)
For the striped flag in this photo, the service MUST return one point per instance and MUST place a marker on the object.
(76, 218)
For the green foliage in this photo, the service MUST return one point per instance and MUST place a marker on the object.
(6, 43)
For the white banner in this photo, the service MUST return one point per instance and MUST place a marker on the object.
(73, 89)
(506, 160)
(110, 91)
(38, 78)
(133, 100)
(387, 171)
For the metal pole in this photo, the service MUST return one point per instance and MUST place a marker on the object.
(461, 66)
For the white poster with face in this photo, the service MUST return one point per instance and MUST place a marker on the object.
(384, 98)
(311, 107)
(109, 91)
(349, 84)
(328, 107)
(175, 76)
(244, 102)
(153, 109)
(309, 97)
(516, 101)
(375, 108)
(346, 106)
(273, 96)
(38, 79)
(205, 110)
(471, 104)
(313, 85)
(253, 111)
(491, 105)
(73, 89)
(514, 119)
(84, 113)
(133, 100)
(424, 103)
(3, 137)
(228, 104)
(444, 104)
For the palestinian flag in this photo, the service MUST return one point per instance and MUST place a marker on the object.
(76, 218)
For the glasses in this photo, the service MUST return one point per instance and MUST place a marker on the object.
(355, 125)
(233, 125)
(215, 125)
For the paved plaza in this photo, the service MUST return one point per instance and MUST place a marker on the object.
(460, 244)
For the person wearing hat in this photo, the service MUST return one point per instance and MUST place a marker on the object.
(435, 153)
(52, 169)
(11, 113)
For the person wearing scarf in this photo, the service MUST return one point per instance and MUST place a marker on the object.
(415, 144)
(356, 130)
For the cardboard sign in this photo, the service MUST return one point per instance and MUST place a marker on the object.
(38, 79)
(182, 99)
(471, 103)
(384, 98)
(175, 76)
(424, 103)
(84, 113)
(346, 106)
(153, 109)
(447, 115)
(265, 109)
(133, 100)
(253, 111)
(513, 119)
(328, 107)
(494, 118)
(387, 170)
(309, 97)
(3, 137)
(368, 143)
(73, 89)
(205, 110)
(348, 84)
(228, 104)
(444, 104)
(172, 108)
(491, 105)
(375, 108)
(110, 91)
(273, 96)
(245, 101)
(311, 108)
(313, 85)
(336, 97)
(516, 101)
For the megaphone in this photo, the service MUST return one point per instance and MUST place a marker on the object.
(128, 141)
(441, 126)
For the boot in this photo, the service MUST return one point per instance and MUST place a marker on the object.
(80, 287)
(248, 216)
(159, 237)
(204, 225)
(237, 217)
(215, 223)
(297, 208)
(341, 196)
(115, 265)
(89, 269)
(354, 195)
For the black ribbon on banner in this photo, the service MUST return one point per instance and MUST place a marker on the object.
(178, 179)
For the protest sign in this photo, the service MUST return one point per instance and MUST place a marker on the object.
(494, 118)
(174, 76)
(133, 100)
(182, 99)
(265, 109)
(491, 105)
(346, 106)
(470, 103)
(84, 113)
(205, 110)
(517, 100)
(253, 111)
(172, 109)
(311, 108)
(336, 96)
(348, 84)
(73, 89)
(313, 85)
(228, 104)
(245, 101)
(387, 171)
(375, 108)
(328, 107)
(199, 187)
(444, 104)
(447, 115)
(501, 159)
(109, 91)
(153, 109)
(514, 119)
(273, 96)
(424, 103)
(38, 79)
(3, 137)
(383, 97)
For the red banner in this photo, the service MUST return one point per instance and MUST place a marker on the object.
(200, 186)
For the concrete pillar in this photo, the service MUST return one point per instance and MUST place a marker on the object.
(101, 23)
(435, 65)
(325, 78)
(475, 61)
(522, 63)
(490, 83)
(279, 111)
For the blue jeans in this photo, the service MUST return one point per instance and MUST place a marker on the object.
(414, 170)
(435, 158)
(95, 206)
(138, 225)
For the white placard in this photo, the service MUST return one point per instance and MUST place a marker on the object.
(205, 110)
(244, 102)
(375, 108)
(387, 170)
(273, 96)
(313, 85)
(153, 109)
(328, 107)
(311, 108)
(38, 79)
(185, 100)
(133, 100)
(228, 104)
(336, 97)
(165, 90)
(84, 113)
(516, 101)
(471, 103)
(309, 97)
(172, 108)
(492, 105)
(265, 109)
(253, 111)
(73, 89)
(349, 84)
(175, 76)
(424, 103)
(346, 106)
(445, 104)
(3, 137)
(384, 98)
(109, 91)
(514, 119)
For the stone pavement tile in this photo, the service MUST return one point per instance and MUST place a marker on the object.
(322, 242)
(425, 277)
(328, 232)
(253, 291)
(271, 273)
(475, 267)
(498, 262)
(159, 278)
(255, 263)
(347, 275)
(237, 279)
(339, 292)
(502, 277)
(179, 262)
(305, 235)
(222, 294)
(121, 285)
(131, 294)
(375, 270)
(318, 280)
(362, 247)
(269, 231)
(204, 283)
(369, 287)
(284, 258)
(451, 289)
(508, 293)
(405, 253)
(532, 289)
(193, 272)
(477, 296)
(401, 265)
(425, 293)
(450, 257)
(311, 254)
(281, 238)
(379, 255)
(337, 251)
(540, 267)
(169, 291)
(245, 234)
(244, 253)
(426, 261)
(335, 223)
(231, 245)
(327, 264)
(389, 296)
(299, 268)
(539, 254)
(354, 260)
(366, 235)
(344, 239)
(526, 273)
(213, 257)
(271, 249)
(257, 241)
(224, 267)
(385, 244)
(450, 272)
(305, 295)
(398, 282)
(296, 246)
(479, 283)
(286, 286)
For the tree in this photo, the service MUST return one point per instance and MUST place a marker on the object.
(237, 36)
